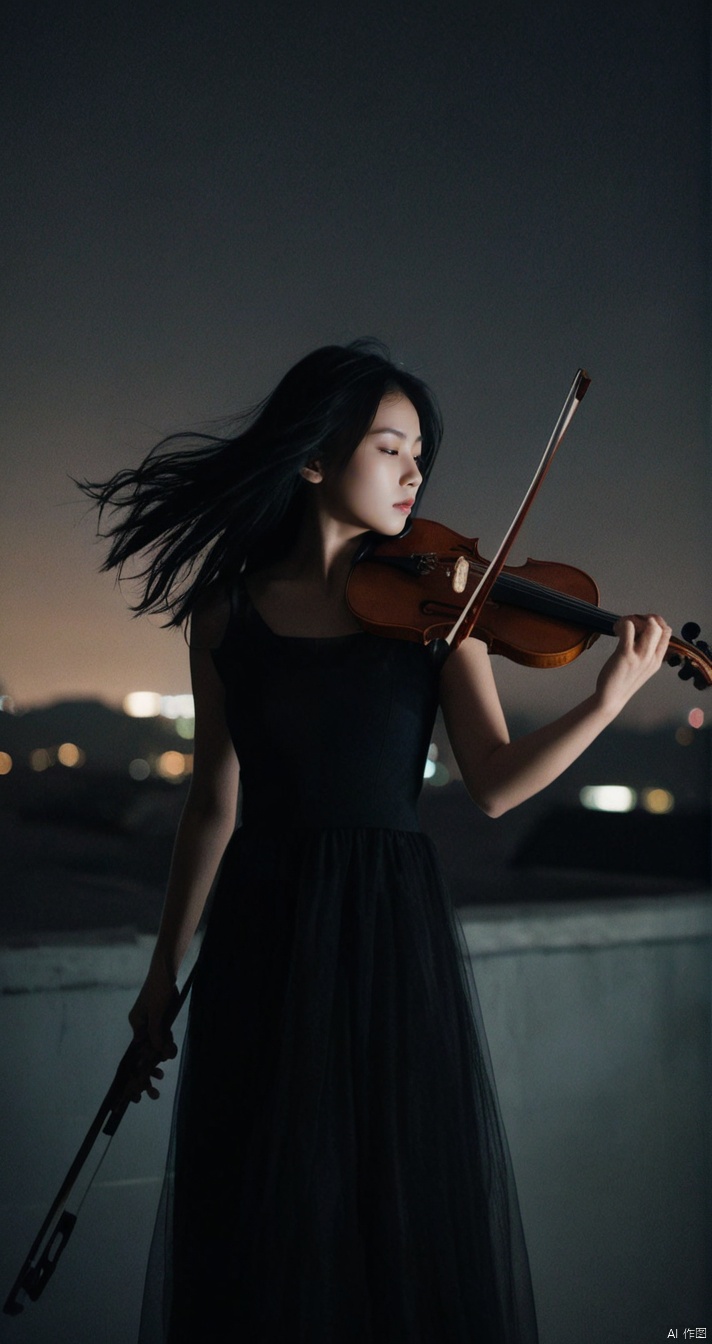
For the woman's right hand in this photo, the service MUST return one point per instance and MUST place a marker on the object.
(150, 1020)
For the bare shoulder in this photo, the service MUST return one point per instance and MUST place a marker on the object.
(209, 617)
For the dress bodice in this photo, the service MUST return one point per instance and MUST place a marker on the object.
(328, 732)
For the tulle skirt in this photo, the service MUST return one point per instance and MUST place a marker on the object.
(338, 1172)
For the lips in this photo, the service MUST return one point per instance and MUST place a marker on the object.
(405, 506)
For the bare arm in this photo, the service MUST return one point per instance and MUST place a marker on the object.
(498, 773)
(205, 827)
(208, 818)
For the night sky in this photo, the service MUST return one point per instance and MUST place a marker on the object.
(196, 195)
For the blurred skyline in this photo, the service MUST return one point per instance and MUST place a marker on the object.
(199, 197)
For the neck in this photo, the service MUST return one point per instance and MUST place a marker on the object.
(323, 551)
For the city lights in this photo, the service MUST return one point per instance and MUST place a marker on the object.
(621, 798)
(173, 765)
(40, 759)
(608, 798)
(658, 801)
(142, 704)
(70, 755)
(149, 704)
(434, 771)
(177, 707)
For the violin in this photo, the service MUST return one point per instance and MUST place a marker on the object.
(431, 583)
(540, 614)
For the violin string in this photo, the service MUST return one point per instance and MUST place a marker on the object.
(569, 607)
(562, 604)
(565, 604)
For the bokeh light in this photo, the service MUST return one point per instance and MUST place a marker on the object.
(171, 765)
(684, 736)
(149, 704)
(608, 798)
(177, 707)
(658, 801)
(142, 704)
(70, 754)
(696, 718)
(5, 762)
(139, 769)
(40, 759)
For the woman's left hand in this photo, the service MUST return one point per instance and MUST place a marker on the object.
(642, 645)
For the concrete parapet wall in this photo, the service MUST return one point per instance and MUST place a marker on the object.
(599, 1025)
(598, 1018)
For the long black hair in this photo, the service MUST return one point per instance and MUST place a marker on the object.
(200, 507)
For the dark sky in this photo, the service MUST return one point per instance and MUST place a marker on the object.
(196, 195)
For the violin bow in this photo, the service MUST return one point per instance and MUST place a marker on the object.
(41, 1261)
(471, 611)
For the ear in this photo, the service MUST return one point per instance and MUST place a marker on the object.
(312, 472)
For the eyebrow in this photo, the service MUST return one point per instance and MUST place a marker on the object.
(398, 433)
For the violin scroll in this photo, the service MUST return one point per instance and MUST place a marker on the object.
(693, 656)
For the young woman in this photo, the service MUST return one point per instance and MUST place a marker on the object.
(338, 1169)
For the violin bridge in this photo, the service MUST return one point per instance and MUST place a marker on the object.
(460, 574)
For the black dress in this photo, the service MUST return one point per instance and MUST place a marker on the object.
(338, 1170)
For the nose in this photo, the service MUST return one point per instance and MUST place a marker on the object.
(412, 474)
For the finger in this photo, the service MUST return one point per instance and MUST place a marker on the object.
(139, 1086)
(665, 636)
(656, 634)
(652, 624)
(625, 629)
(643, 634)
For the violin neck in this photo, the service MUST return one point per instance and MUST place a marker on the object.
(513, 591)
(510, 590)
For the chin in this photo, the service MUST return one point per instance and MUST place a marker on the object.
(397, 525)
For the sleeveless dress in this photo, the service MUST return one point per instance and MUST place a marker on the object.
(338, 1172)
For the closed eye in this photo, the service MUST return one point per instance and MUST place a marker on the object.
(393, 452)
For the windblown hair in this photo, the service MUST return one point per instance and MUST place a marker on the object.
(201, 507)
